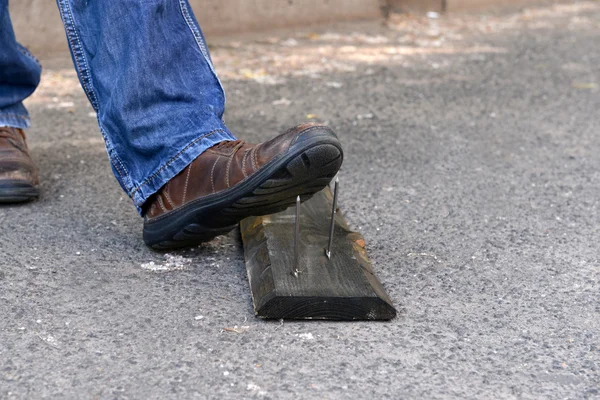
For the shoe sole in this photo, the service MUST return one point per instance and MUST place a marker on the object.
(17, 191)
(272, 189)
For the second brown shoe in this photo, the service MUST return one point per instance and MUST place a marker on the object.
(234, 180)
(19, 180)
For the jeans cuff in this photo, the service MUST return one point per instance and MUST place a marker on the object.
(15, 117)
(175, 165)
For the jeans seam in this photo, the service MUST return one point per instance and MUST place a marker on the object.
(79, 57)
(26, 53)
(113, 157)
(175, 157)
(189, 22)
(199, 41)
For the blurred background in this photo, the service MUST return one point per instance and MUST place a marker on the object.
(471, 138)
(38, 25)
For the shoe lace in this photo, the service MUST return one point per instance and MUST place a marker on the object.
(227, 144)
(16, 137)
(8, 132)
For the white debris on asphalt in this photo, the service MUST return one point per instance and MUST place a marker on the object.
(306, 336)
(256, 390)
(50, 340)
(282, 102)
(335, 85)
(365, 116)
(171, 263)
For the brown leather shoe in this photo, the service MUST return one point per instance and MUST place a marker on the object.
(233, 180)
(18, 175)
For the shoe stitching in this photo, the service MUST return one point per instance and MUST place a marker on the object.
(228, 169)
(253, 159)
(271, 161)
(166, 193)
(244, 163)
(155, 174)
(212, 172)
(161, 204)
(19, 145)
(187, 179)
(152, 210)
(233, 153)
(199, 200)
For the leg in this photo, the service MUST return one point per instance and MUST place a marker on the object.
(147, 72)
(19, 76)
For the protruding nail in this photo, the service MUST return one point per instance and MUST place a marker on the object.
(333, 212)
(296, 270)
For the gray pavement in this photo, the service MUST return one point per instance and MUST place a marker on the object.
(472, 169)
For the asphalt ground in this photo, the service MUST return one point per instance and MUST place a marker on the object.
(471, 168)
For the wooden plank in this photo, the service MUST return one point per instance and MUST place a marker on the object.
(343, 288)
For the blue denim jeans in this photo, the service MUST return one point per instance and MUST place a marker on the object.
(146, 70)
(19, 74)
